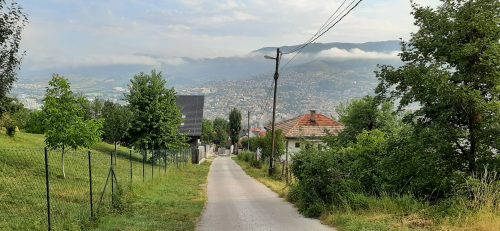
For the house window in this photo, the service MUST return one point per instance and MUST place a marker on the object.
(297, 144)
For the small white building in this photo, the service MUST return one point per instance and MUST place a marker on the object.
(307, 129)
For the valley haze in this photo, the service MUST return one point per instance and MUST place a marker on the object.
(324, 75)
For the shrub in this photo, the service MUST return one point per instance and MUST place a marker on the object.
(9, 125)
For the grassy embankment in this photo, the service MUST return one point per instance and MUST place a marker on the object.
(176, 194)
(390, 213)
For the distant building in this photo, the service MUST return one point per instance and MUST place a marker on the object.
(307, 129)
(191, 107)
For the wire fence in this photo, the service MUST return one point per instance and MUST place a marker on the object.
(44, 189)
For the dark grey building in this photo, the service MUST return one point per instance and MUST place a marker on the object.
(191, 107)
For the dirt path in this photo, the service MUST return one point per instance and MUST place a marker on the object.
(238, 202)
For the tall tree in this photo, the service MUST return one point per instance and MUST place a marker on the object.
(12, 22)
(116, 122)
(234, 126)
(64, 121)
(155, 117)
(221, 128)
(207, 131)
(452, 71)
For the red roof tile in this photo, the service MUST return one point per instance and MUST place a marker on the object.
(303, 126)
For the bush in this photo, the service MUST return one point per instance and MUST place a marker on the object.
(9, 125)
(250, 158)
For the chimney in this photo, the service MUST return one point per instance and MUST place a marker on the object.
(313, 116)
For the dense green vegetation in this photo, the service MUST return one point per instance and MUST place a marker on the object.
(437, 162)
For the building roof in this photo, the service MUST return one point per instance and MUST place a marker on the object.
(191, 107)
(308, 125)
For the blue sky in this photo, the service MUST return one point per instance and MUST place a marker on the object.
(103, 32)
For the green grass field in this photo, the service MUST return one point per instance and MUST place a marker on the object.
(173, 202)
(22, 184)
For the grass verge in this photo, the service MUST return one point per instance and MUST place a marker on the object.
(173, 202)
(261, 175)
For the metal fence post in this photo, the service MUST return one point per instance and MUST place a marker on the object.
(152, 162)
(130, 160)
(112, 182)
(143, 158)
(91, 191)
(47, 186)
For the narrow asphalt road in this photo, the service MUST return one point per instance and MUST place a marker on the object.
(236, 201)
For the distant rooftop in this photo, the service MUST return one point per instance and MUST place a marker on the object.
(308, 125)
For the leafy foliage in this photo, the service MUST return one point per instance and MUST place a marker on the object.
(266, 145)
(12, 22)
(116, 121)
(452, 70)
(9, 124)
(207, 131)
(33, 124)
(451, 75)
(64, 119)
(155, 117)
(221, 128)
(234, 125)
(10, 105)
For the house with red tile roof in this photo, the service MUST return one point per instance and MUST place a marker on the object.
(307, 129)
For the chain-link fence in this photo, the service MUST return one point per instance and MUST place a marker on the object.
(51, 189)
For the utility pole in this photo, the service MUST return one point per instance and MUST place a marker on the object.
(248, 131)
(276, 76)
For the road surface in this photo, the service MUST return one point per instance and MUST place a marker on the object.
(238, 202)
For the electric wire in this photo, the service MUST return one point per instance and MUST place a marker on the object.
(325, 24)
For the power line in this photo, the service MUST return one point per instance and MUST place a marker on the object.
(325, 24)
(330, 26)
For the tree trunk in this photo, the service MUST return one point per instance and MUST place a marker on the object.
(62, 160)
(115, 147)
(471, 158)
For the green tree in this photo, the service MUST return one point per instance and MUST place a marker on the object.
(9, 104)
(116, 122)
(234, 127)
(155, 117)
(33, 124)
(12, 22)
(265, 143)
(64, 121)
(207, 131)
(221, 128)
(360, 115)
(452, 71)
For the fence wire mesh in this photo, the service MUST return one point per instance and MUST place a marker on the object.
(83, 184)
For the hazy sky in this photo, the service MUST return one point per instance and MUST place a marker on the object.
(101, 32)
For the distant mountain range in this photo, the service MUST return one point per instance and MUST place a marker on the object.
(340, 71)
(383, 46)
(193, 72)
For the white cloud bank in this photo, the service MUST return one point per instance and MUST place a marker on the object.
(336, 53)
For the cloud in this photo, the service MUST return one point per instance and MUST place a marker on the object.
(106, 60)
(98, 32)
(336, 53)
